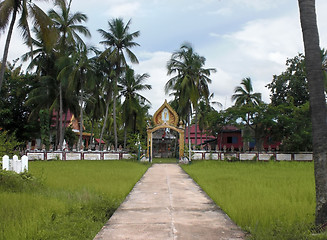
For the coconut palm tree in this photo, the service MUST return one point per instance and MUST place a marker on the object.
(43, 59)
(80, 74)
(244, 94)
(191, 80)
(119, 42)
(245, 97)
(131, 85)
(106, 73)
(69, 27)
(317, 104)
(9, 11)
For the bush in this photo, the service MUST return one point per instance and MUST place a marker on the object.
(13, 182)
(8, 144)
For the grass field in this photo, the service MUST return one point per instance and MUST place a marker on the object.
(73, 199)
(66, 200)
(271, 200)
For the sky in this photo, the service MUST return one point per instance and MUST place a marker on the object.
(239, 38)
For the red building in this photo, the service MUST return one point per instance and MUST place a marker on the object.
(229, 139)
(69, 120)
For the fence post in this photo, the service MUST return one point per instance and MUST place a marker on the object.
(24, 163)
(5, 162)
(17, 166)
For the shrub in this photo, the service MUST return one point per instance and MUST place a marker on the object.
(8, 144)
(13, 182)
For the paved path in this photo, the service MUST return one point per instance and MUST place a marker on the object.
(167, 204)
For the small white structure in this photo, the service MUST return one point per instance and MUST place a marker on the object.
(14, 164)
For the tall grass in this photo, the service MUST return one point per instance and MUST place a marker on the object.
(73, 199)
(273, 200)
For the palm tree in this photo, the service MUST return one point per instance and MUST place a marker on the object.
(9, 10)
(106, 73)
(80, 74)
(69, 27)
(43, 96)
(244, 94)
(317, 104)
(245, 97)
(191, 79)
(131, 85)
(95, 104)
(119, 41)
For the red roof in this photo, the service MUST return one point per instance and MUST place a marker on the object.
(54, 118)
(205, 136)
(98, 140)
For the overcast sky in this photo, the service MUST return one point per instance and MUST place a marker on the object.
(240, 38)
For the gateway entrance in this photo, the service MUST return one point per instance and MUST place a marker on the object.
(165, 122)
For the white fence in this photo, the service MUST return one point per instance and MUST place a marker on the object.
(196, 155)
(14, 164)
(201, 155)
(89, 155)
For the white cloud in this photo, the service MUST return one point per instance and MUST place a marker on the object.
(128, 10)
(261, 37)
(155, 65)
(222, 12)
(258, 4)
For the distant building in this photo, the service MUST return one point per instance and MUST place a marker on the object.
(69, 120)
(230, 139)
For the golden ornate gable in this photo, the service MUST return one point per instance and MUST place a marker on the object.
(165, 115)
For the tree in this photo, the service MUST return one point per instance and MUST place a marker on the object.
(204, 110)
(190, 82)
(95, 104)
(80, 74)
(244, 94)
(292, 127)
(246, 100)
(69, 27)
(131, 85)
(9, 10)
(291, 85)
(119, 41)
(14, 113)
(317, 104)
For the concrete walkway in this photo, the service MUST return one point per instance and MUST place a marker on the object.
(167, 204)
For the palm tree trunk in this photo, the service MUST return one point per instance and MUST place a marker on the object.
(81, 118)
(125, 136)
(57, 132)
(189, 135)
(105, 120)
(6, 50)
(196, 125)
(64, 128)
(317, 104)
(92, 128)
(61, 137)
(115, 115)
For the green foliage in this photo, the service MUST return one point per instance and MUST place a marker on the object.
(11, 181)
(45, 127)
(14, 113)
(132, 143)
(271, 200)
(75, 200)
(70, 137)
(290, 86)
(293, 127)
(8, 144)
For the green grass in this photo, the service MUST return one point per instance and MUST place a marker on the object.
(271, 200)
(65, 199)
